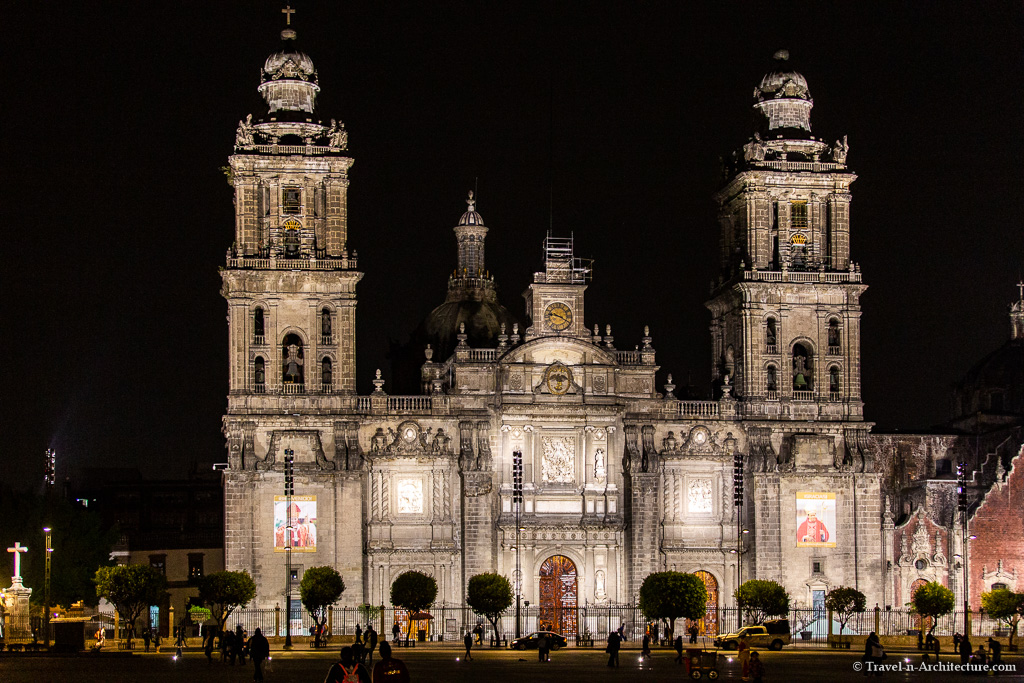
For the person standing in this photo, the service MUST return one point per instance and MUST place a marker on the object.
(467, 640)
(348, 670)
(359, 633)
(542, 647)
(259, 650)
(395, 630)
(371, 642)
(744, 650)
(240, 643)
(645, 652)
(996, 648)
(389, 669)
(756, 668)
(693, 633)
(679, 649)
(156, 639)
(147, 634)
(965, 650)
(614, 644)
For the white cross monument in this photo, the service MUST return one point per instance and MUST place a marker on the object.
(18, 549)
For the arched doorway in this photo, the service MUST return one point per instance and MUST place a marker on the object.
(558, 595)
(708, 625)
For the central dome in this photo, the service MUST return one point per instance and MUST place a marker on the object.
(783, 101)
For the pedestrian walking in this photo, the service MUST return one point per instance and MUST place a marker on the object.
(389, 669)
(645, 652)
(693, 633)
(180, 641)
(756, 668)
(543, 648)
(965, 650)
(147, 635)
(259, 650)
(359, 633)
(371, 642)
(348, 670)
(395, 630)
(996, 648)
(208, 646)
(240, 643)
(468, 642)
(679, 649)
(744, 656)
(614, 645)
(156, 639)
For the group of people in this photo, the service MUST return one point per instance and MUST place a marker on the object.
(968, 655)
(350, 670)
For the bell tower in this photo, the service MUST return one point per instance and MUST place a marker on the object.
(786, 307)
(554, 299)
(290, 280)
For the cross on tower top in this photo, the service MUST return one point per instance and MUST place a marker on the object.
(17, 550)
(1020, 287)
(288, 12)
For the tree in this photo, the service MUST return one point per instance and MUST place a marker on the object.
(413, 591)
(224, 591)
(1006, 606)
(932, 600)
(671, 595)
(844, 602)
(489, 595)
(320, 588)
(762, 599)
(132, 588)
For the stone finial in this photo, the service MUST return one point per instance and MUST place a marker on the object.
(670, 389)
(646, 338)
(609, 340)
(378, 384)
(515, 333)
(428, 352)
(597, 334)
(502, 339)
(462, 336)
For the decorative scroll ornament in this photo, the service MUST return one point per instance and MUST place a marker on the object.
(410, 439)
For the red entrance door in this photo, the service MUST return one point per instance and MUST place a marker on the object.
(558, 596)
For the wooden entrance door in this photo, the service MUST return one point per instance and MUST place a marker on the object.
(558, 595)
(708, 625)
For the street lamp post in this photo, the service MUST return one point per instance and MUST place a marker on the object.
(517, 503)
(961, 494)
(289, 491)
(46, 601)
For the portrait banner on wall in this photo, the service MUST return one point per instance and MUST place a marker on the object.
(815, 520)
(303, 524)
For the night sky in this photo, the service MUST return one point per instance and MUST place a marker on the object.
(604, 120)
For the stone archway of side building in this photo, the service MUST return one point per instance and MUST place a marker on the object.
(708, 625)
(921, 623)
(558, 595)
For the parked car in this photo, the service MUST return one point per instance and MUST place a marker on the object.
(772, 635)
(529, 642)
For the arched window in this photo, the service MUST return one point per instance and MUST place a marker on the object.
(803, 372)
(292, 364)
(259, 375)
(292, 238)
(833, 380)
(326, 375)
(326, 326)
(258, 327)
(770, 336)
(999, 586)
(834, 337)
(772, 380)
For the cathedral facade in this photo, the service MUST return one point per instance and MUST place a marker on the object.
(773, 479)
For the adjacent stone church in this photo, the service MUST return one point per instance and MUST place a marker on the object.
(776, 479)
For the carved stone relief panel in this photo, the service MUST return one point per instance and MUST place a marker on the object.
(558, 464)
(410, 496)
(699, 496)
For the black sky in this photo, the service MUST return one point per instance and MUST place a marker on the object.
(116, 120)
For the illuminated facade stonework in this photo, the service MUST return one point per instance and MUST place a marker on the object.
(620, 479)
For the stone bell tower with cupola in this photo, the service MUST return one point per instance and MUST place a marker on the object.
(786, 306)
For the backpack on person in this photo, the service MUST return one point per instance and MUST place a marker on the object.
(350, 676)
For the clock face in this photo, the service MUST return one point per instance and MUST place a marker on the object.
(558, 316)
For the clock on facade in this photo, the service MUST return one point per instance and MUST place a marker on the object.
(558, 316)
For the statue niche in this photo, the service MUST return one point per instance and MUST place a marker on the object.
(292, 360)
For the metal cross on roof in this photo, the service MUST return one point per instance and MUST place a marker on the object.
(288, 12)
(17, 550)
(1020, 286)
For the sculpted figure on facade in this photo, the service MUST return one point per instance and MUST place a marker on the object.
(599, 465)
(559, 459)
(245, 135)
(840, 150)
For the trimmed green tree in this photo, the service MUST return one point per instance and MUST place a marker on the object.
(673, 595)
(320, 588)
(761, 599)
(132, 588)
(932, 600)
(226, 591)
(413, 591)
(844, 602)
(489, 595)
(1006, 606)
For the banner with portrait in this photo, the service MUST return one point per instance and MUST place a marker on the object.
(815, 520)
(303, 521)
